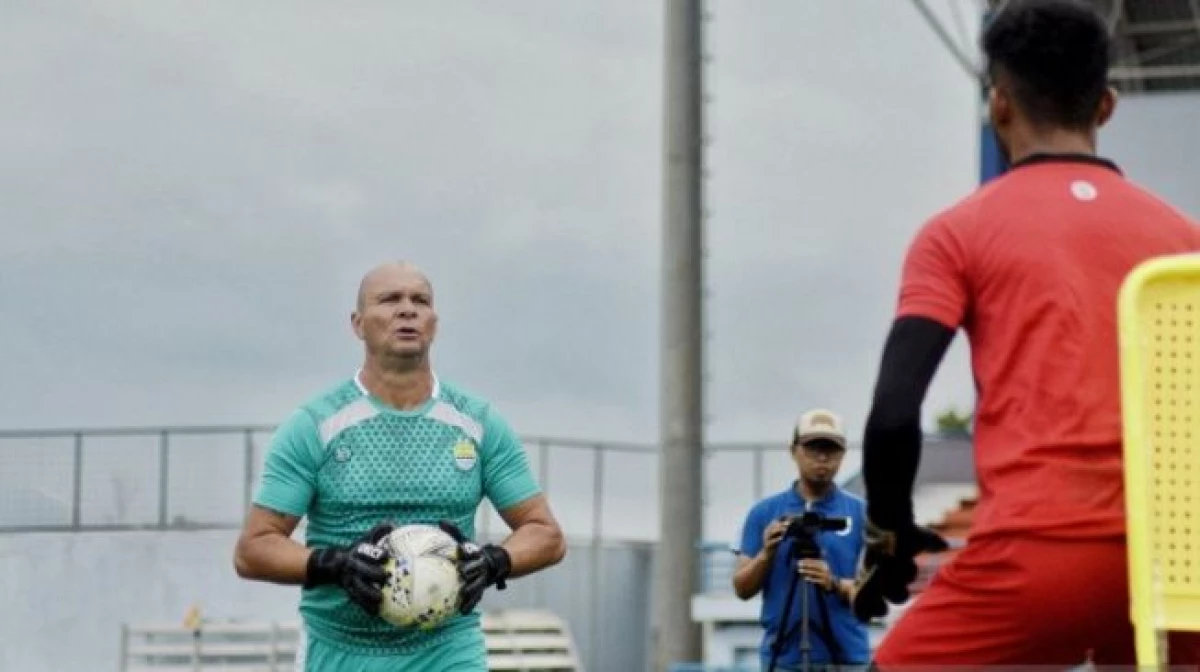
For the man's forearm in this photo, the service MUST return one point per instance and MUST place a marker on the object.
(274, 559)
(748, 579)
(534, 546)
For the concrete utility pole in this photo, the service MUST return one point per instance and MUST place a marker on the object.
(682, 333)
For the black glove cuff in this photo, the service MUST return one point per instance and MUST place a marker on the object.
(501, 563)
(324, 567)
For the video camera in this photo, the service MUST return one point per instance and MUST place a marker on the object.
(803, 529)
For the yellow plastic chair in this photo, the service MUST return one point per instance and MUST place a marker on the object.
(1159, 323)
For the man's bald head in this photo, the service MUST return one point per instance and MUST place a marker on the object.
(390, 274)
(395, 317)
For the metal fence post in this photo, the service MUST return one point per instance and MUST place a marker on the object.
(124, 664)
(249, 485)
(77, 483)
(196, 649)
(544, 466)
(274, 646)
(597, 552)
(544, 482)
(758, 472)
(164, 447)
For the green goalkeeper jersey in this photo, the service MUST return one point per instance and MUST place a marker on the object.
(347, 461)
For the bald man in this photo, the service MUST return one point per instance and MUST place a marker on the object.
(391, 445)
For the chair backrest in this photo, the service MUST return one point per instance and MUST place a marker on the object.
(518, 640)
(529, 640)
(1159, 323)
(260, 646)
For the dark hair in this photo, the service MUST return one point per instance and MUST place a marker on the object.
(1056, 54)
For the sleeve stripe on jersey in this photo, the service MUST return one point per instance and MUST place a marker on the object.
(359, 411)
(445, 413)
(281, 505)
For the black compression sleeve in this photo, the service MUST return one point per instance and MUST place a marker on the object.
(892, 440)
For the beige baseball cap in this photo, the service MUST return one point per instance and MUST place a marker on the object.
(819, 424)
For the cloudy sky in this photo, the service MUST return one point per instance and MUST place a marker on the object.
(190, 192)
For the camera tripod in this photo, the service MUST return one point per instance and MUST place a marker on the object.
(801, 549)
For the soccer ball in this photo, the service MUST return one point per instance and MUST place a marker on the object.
(422, 577)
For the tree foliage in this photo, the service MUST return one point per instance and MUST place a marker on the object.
(951, 422)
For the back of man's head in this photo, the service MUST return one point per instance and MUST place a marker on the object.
(1055, 56)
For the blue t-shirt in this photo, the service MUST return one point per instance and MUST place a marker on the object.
(840, 551)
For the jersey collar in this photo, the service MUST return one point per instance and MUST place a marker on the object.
(798, 499)
(437, 385)
(1048, 157)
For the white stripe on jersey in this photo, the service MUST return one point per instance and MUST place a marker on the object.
(445, 413)
(359, 411)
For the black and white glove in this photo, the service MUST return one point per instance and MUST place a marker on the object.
(887, 566)
(357, 568)
(479, 566)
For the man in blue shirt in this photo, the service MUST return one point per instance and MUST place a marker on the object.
(765, 561)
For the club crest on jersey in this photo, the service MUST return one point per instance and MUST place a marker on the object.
(465, 455)
(342, 454)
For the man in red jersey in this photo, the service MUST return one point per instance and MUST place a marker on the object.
(1029, 266)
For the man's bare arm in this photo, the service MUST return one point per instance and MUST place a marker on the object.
(751, 571)
(537, 540)
(749, 574)
(265, 550)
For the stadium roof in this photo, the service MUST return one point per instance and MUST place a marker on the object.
(1158, 44)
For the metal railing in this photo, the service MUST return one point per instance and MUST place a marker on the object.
(53, 480)
(203, 477)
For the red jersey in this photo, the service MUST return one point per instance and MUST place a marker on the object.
(1030, 266)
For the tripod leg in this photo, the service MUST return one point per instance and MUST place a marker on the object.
(829, 635)
(805, 644)
(781, 631)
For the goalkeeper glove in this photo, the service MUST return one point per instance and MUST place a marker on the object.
(887, 566)
(357, 568)
(478, 566)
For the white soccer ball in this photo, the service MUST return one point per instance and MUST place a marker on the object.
(422, 586)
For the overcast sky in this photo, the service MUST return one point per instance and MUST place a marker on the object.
(191, 191)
